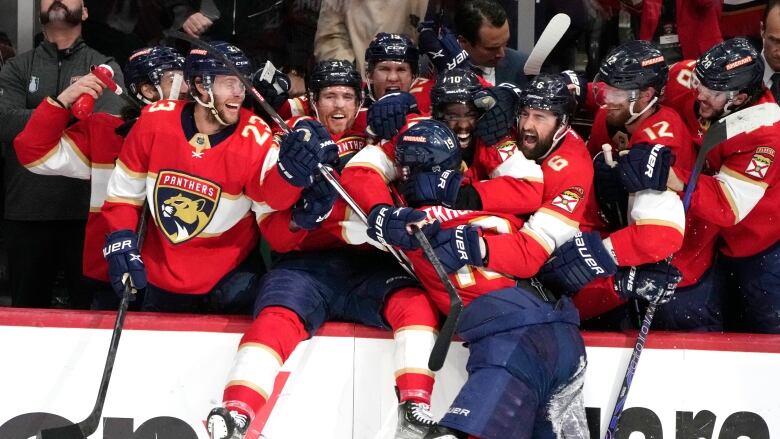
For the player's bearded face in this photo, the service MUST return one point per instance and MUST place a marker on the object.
(68, 11)
(337, 107)
(390, 77)
(536, 129)
(710, 103)
(462, 119)
(229, 92)
(616, 101)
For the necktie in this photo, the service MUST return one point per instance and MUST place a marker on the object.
(776, 86)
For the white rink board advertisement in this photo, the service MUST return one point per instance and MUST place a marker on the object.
(170, 372)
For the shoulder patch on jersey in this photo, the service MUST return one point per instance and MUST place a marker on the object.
(569, 199)
(506, 149)
(760, 162)
(184, 204)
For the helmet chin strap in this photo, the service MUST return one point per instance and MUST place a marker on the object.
(634, 116)
(210, 105)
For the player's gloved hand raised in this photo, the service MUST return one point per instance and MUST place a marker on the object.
(576, 263)
(458, 246)
(432, 188)
(654, 282)
(611, 196)
(302, 150)
(441, 45)
(645, 166)
(577, 83)
(275, 92)
(500, 105)
(121, 253)
(391, 226)
(388, 115)
(315, 205)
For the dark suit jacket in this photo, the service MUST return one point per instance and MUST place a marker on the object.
(510, 69)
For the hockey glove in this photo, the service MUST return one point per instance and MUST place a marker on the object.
(576, 263)
(645, 166)
(390, 226)
(275, 91)
(432, 188)
(458, 246)
(577, 83)
(302, 150)
(500, 105)
(121, 253)
(441, 46)
(611, 196)
(651, 282)
(314, 206)
(388, 115)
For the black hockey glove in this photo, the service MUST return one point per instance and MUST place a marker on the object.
(273, 85)
(577, 83)
(645, 166)
(650, 282)
(576, 263)
(124, 259)
(458, 246)
(390, 226)
(302, 150)
(611, 196)
(315, 205)
(388, 115)
(500, 105)
(441, 46)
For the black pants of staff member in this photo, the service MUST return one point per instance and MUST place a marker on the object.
(37, 250)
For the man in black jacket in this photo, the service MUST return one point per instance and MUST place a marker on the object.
(45, 216)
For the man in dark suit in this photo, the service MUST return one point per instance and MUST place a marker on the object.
(483, 31)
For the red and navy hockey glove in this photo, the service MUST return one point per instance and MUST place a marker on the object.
(654, 282)
(390, 226)
(645, 166)
(576, 263)
(388, 115)
(432, 188)
(500, 105)
(441, 46)
(458, 246)
(302, 150)
(121, 253)
(314, 206)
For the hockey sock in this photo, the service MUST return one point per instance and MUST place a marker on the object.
(414, 320)
(264, 348)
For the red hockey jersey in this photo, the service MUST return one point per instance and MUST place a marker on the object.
(86, 150)
(204, 201)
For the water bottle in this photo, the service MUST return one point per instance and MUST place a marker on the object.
(84, 104)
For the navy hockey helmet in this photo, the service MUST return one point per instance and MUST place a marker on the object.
(732, 65)
(392, 47)
(428, 145)
(635, 65)
(334, 72)
(200, 62)
(551, 93)
(457, 85)
(147, 66)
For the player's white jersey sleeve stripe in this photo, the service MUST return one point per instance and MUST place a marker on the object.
(261, 210)
(554, 229)
(270, 162)
(372, 156)
(297, 107)
(127, 186)
(100, 178)
(518, 166)
(255, 366)
(229, 212)
(656, 207)
(413, 346)
(64, 159)
(742, 193)
(353, 231)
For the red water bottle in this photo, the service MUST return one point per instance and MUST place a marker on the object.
(84, 104)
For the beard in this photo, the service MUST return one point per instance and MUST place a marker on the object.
(541, 147)
(58, 12)
(617, 119)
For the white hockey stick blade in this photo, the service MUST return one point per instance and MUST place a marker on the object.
(552, 34)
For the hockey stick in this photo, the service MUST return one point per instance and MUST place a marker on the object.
(324, 170)
(442, 344)
(743, 121)
(89, 425)
(547, 41)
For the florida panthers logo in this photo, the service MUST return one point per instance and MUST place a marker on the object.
(184, 205)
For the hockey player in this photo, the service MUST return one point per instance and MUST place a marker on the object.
(88, 149)
(321, 278)
(514, 389)
(207, 169)
(738, 193)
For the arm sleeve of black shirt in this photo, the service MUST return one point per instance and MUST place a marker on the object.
(13, 100)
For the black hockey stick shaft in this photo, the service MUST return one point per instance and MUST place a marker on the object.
(716, 134)
(442, 344)
(400, 257)
(90, 424)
